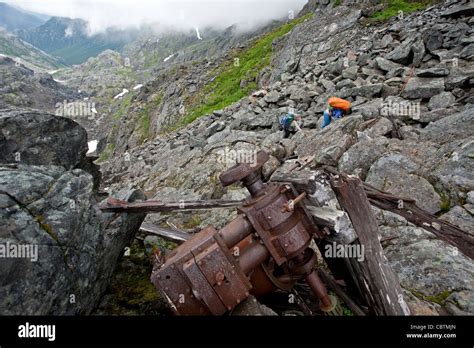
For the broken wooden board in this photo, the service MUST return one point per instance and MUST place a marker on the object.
(376, 280)
(151, 206)
(166, 233)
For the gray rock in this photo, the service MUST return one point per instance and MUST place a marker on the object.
(328, 85)
(441, 101)
(470, 197)
(433, 39)
(251, 307)
(460, 217)
(345, 84)
(273, 97)
(396, 174)
(51, 209)
(386, 65)
(410, 51)
(359, 157)
(433, 72)
(430, 268)
(215, 127)
(467, 52)
(422, 87)
(368, 91)
(458, 78)
(32, 137)
(459, 10)
(381, 127)
(350, 73)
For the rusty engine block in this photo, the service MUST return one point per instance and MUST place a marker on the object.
(265, 248)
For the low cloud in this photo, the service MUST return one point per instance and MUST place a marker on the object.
(170, 14)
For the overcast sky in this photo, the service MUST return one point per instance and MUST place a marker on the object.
(179, 14)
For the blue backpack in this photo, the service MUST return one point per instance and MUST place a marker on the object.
(285, 121)
(337, 113)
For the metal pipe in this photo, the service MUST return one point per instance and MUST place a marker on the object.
(254, 184)
(252, 256)
(235, 231)
(319, 290)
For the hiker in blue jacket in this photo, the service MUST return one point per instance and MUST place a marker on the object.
(289, 124)
(331, 113)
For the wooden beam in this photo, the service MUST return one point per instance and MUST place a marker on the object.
(166, 233)
(443, 230)
(376, 280)
(150, 206)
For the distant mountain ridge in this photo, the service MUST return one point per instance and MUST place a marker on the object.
(13, 18)
(70, 39)
(26, 54)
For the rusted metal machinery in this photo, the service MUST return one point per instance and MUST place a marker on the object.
(266, 247)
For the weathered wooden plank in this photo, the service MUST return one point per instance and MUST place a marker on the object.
(443, 230)
(377, 281)
(166, 233)
(150, 206)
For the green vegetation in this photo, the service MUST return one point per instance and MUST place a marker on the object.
(109, 150)
(130, 289)
(438, 298)
(336, 3)
(393, 8)
(123, 107)
(144, 125)
(193, 222)
(244, 68)
(346, 311)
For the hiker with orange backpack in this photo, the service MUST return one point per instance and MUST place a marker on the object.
(337, 108)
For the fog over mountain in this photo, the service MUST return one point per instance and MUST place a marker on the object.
(176, 14)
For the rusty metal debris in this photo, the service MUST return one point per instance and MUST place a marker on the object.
(265, 248)
(300, 164)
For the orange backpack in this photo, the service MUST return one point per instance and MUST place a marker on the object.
(338, 103)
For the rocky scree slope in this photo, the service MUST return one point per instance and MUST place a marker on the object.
(23, 87)
(389, 71)
(161, 63)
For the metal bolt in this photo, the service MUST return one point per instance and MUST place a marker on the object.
(220, 276)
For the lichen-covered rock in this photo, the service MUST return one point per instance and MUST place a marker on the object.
(51, 209)
(430, 269)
